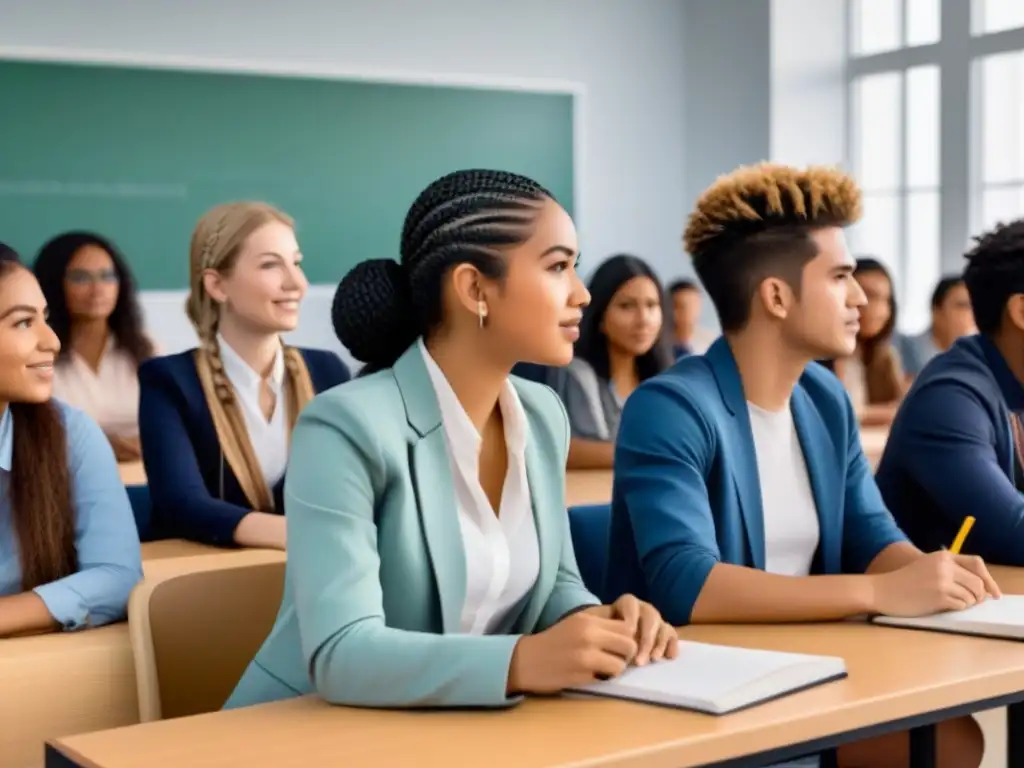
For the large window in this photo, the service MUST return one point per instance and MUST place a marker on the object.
(936, 133)
(894, 150)
(999, 131)
(996, 15)
(885, 25)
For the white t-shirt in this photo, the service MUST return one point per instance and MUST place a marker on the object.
(791, 530)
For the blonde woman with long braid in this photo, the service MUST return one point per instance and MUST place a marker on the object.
(215, 422)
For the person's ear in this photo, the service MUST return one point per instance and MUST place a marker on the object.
(776, 297)
(213, 283)
(471, 290)
(1015, 310)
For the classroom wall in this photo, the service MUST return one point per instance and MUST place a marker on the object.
(629, 56)
(808, 81)
(726, 61)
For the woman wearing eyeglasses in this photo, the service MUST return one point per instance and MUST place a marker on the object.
(94, 311)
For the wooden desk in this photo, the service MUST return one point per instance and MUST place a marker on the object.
(898, 678)
(159, 550)
(588, 486)
(873, 440)
(132, 473)
(54, 685)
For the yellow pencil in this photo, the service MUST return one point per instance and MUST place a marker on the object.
(965, 529)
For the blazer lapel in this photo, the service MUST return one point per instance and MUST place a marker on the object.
(433, 485)
(547, 502)
(745, 475)
(818, 448)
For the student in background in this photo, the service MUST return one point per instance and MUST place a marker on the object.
(956, 446)
(873, 375)
(742, 493)
(688, 337)
(952, 318)
(215, 421)
(430, 562)
(69, 551)
(622, 343)
(94, 310)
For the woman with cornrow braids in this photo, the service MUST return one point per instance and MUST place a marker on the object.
(215, 421)
(430, 561)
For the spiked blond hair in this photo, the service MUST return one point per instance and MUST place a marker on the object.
(756, 221)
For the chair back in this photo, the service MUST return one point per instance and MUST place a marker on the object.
(196, 624)
(590, 526)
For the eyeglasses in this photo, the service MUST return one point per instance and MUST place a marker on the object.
(87, 277)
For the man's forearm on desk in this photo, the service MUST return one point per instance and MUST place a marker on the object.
(736, 594)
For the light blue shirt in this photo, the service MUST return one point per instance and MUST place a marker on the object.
(109, 556)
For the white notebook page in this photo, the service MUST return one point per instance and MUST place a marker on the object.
(703, 671)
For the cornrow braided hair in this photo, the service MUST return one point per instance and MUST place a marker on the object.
(382, 306)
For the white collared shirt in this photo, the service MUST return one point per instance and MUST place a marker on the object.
(502, 551)
(269, 438)
(109, 395)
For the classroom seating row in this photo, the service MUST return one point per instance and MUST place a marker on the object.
(196, 620)
(899, 678)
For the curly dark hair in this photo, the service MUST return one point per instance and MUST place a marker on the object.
(382, 306)
(756, 222)
(995, 272)
(125, 321)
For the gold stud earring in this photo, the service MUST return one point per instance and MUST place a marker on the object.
(481, 312)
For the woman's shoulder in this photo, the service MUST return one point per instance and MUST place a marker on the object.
(83, 433)
(374, 399)
(169, 364)
(326, 367)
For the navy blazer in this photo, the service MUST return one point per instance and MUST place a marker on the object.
(687, 493)
(950, 454)
(184, 465)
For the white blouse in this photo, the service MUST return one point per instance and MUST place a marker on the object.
(109, 395)
(502, 550)
(269, 438)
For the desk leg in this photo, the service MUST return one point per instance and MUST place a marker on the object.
(923, 753)
(1015, 735)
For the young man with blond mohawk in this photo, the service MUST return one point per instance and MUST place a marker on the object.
(742, 493)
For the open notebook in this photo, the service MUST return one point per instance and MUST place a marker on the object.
(993, 618)
(718, 679)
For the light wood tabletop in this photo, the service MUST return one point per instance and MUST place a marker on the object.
(588, 486)
(872, 440)
(164, 548)
(895, 675)
(132, 473)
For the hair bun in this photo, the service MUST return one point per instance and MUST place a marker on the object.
(372, 312)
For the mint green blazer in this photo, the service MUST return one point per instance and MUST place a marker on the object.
(376, 575)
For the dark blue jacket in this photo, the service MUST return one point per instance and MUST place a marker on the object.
(184, 466)
(687, 494)
(950, 454)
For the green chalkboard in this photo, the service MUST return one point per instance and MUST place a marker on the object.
(139, 154)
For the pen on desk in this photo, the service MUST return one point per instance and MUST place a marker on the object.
(965, 529)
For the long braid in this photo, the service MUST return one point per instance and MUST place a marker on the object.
(205, 316)
(381, 307)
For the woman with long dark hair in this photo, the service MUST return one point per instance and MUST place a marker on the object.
(69, 550)
(873, 375)
(94, 310)
(622, 343)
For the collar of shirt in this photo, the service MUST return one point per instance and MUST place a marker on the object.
(462, 434)
(1011, 388)
(243, 377)
(6, 439)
